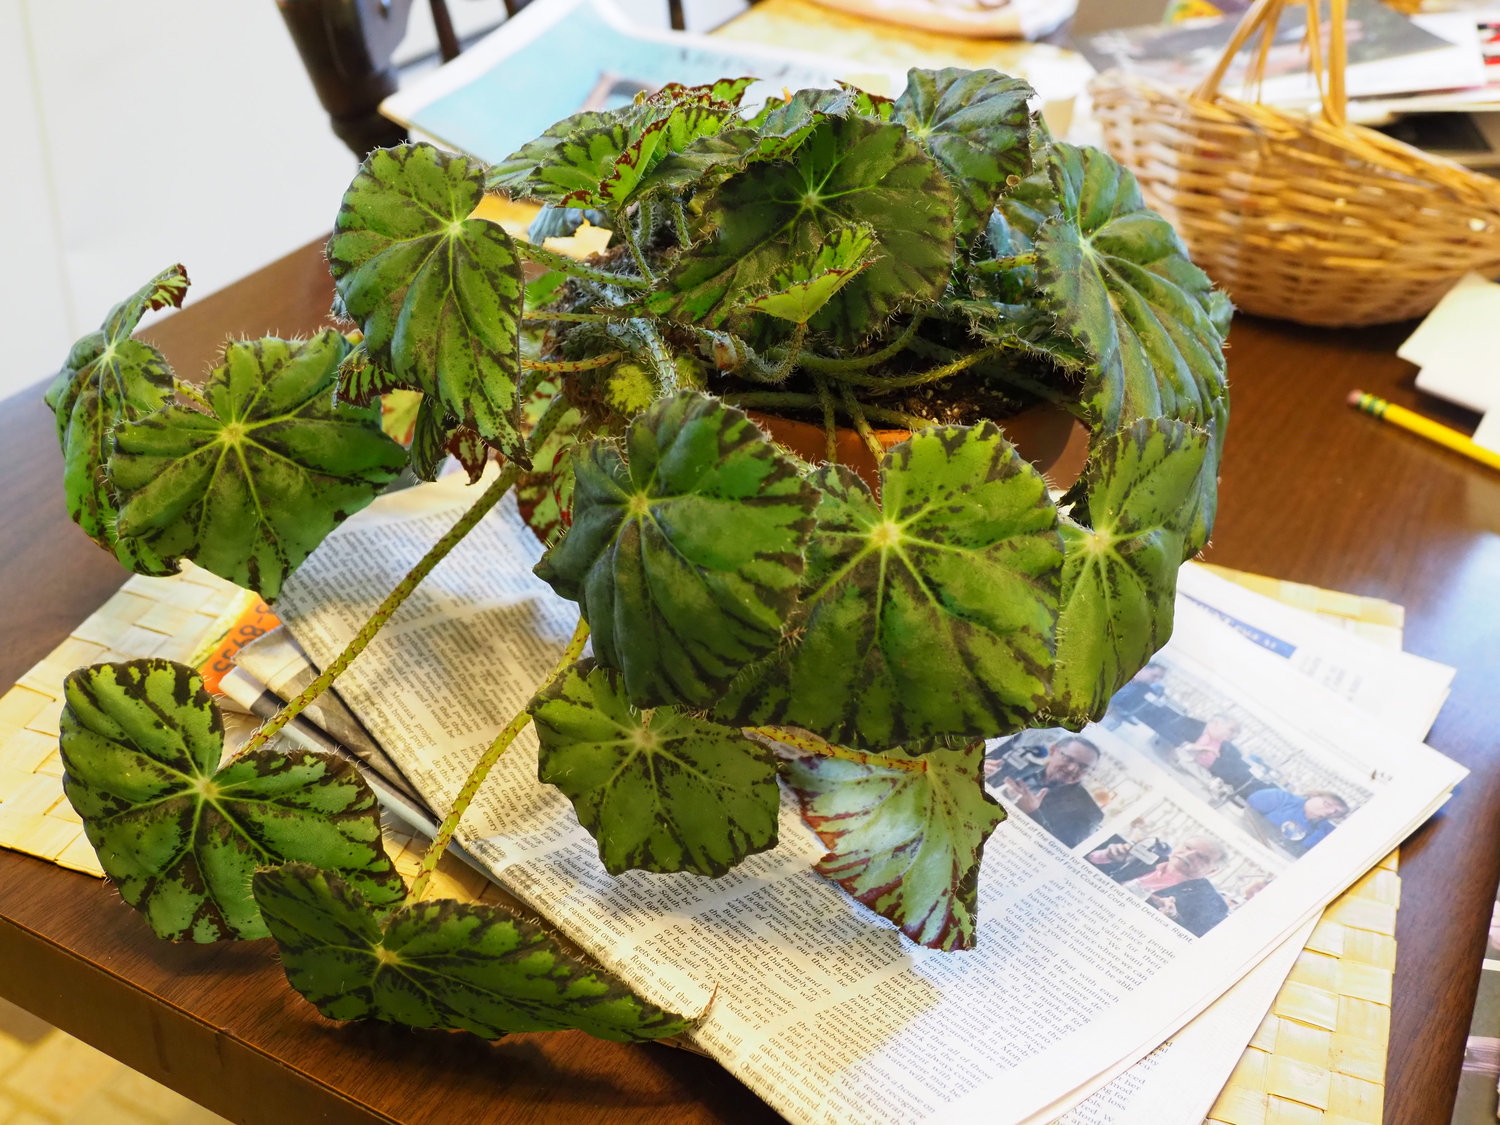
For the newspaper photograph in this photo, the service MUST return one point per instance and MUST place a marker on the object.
(1148, 863)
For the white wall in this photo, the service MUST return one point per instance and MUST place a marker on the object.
(147, 132)
(142, 133)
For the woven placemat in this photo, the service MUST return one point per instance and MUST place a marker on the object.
(173, 618)
(1319, 1056)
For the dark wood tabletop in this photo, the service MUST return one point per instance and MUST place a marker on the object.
(1312, 491)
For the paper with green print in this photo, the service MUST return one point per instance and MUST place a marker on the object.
(659, 790)
(179, 836)
(436, 293)
(109, 379)
(441, 964)
(686, 556)
(849, 171)
(929, 611)
(249, 489)
(905, 842)
(1119, 582)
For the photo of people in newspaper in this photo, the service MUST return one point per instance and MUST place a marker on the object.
(1180, 866)
(1062, 780)
(1222, 754)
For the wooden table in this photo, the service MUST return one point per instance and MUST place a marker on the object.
(1312, 491)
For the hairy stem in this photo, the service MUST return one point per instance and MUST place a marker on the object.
(482, 769)
(191, 391)
(556, 411)
(1000, 265)
(795, 400)
(572, 365)
(628, 233)
(575, 317)
(564, 264)
(897, 382)
(439, 551)
(793, 349)
(861, 362)
(861, 424)
(680, 224)
(806, 740)
(830, 423)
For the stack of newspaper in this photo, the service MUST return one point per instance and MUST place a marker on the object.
(1145, 899)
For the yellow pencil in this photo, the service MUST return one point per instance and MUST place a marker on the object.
(1433, 431)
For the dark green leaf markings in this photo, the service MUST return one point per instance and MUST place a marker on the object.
(686, 557)
(248, 490)
(659, 790)
(179, 836)
(441, 964)
(930, 611)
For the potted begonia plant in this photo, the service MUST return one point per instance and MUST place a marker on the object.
(831, 262)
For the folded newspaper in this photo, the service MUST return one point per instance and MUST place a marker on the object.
(1148, 865)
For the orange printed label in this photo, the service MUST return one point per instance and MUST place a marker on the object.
(255, 622)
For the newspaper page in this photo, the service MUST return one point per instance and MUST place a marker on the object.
(1227, 808)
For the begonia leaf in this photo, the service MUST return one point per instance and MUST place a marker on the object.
(441, 964)
(848, 172)
(685, 559)
(437, 294)
(929, 611)
(248, 490)
(803, 286)
(1120, 571)
(659, 790)
(108, 379)
(977, 126)
(179, 836)
(905, 842)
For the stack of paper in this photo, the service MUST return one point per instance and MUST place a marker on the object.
(1277, 758)
(1457, 348)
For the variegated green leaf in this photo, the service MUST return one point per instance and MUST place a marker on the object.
(1117, 278)
(930, 611)
(806, 284)
(906, 842)
(513, 174)
(685, 560)
(976, 125)
(848, 172)
(437, 294)
(249, 490)
(441, 964)
(109, 379)
(659, 789)
(1120, 571)
(179, 836)
(545, 495)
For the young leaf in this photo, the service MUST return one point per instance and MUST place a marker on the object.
(806, 284)
(1120, 574)
(109, 379)
(178, 836)
(685, 560)
(930, 611)
(658, 789)
(545, 495)
(436, 293)
(513, 174)
(249, 490)
(976, 125)
(906, 843)
(848, 172)
(441, 964)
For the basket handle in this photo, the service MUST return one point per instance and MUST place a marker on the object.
(1263, 17)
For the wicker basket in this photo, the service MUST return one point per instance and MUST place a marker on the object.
(1306, 218)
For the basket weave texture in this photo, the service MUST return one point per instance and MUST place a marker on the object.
(1302, 217)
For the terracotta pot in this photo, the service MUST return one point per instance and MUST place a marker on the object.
(1047, 436)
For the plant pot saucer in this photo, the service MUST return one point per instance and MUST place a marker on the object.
(1047, 436)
